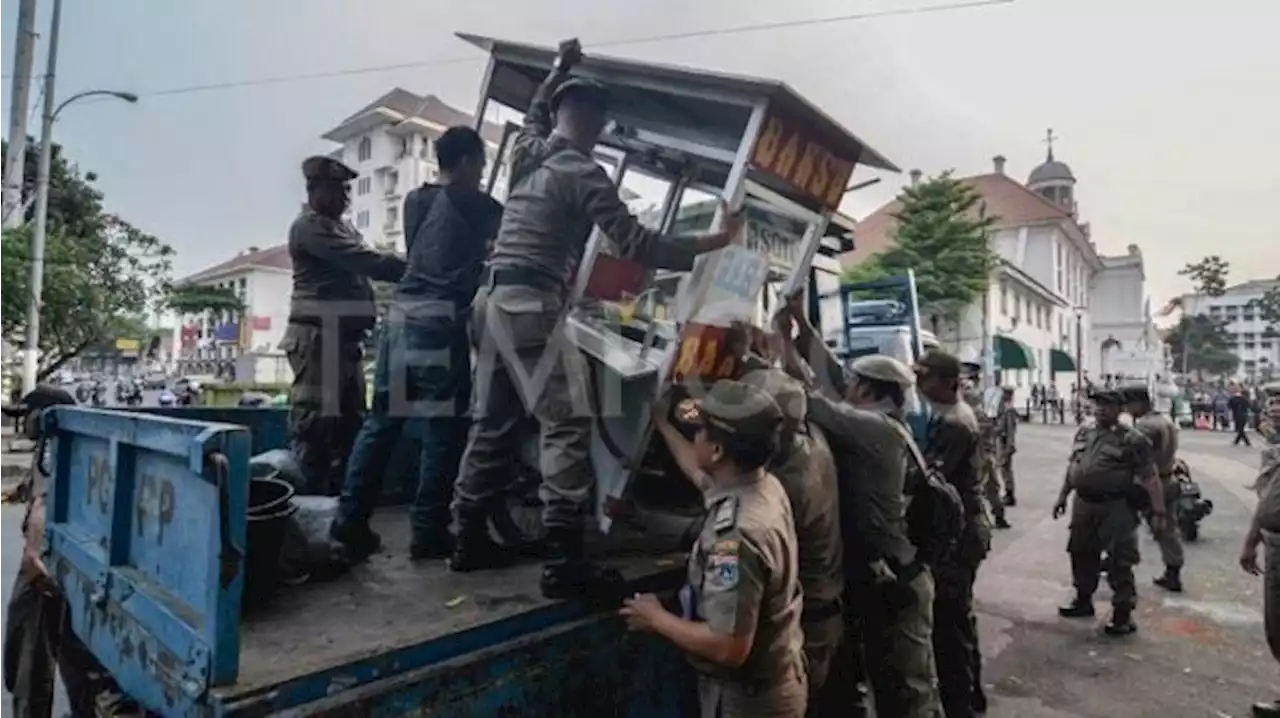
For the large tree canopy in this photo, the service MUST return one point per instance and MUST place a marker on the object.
(100, 272)
(1209, 275)
(942, 234)
(1202, 345)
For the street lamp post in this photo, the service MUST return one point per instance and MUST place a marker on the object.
(1079, 403)
(31, 348)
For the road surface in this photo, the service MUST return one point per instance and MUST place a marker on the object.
(1199, 654)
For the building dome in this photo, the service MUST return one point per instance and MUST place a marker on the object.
(1051, 170)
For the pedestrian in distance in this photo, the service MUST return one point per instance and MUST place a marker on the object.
(526, 364)
(1007, 441)
(1112, 473)
(330, 313)
(740, 613)
(1238, 406)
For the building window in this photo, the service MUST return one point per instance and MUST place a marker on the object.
(363, 185)
(393, 214)
(1061, 256)
(393, 179)
(1004, 299)
(425, 152)
(364, 151)
(362, 219)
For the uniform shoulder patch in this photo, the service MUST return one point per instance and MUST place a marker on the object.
(726, 514)
(722, 565)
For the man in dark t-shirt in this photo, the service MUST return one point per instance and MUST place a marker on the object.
(424, 365)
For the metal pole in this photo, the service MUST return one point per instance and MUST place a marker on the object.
(19, 97)
(1079, 365)
(30, 361)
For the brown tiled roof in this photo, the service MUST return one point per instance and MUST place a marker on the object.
(428, 107)
(276, 257)
(1006, 199)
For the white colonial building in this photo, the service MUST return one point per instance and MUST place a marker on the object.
(1040, 322)
(1259, 354)
(210, 344)
(1127, 345)
(391, 143)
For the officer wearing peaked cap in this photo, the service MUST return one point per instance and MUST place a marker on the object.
(890, 590)
(330, 312)
(744, 585)
(1163, 435)
(1112, 472)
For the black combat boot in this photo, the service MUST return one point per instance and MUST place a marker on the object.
(474, 549)
(1010, 499)
(1080, 607)
(430, 543)
(1121, 623)
(1171, 580)
(1269, 709)
(1002, 522)
(358, 541)
(568, 574)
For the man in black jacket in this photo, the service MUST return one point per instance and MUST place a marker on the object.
(424, 364)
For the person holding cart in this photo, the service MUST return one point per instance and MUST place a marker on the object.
(525, 361)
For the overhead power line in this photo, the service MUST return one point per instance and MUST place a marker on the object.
(673, 36)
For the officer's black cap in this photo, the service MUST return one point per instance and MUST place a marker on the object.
(1136, 392)
(936, 362)
(1107, 396)
(320, 168)
(582, 90)
(739, 409)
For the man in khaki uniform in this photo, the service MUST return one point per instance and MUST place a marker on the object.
(740, 612)
(804, 466)
(525, 361)
(988, 444)
(1110, 466)
(1265, 529)
(1007, 442)
(1163, 435)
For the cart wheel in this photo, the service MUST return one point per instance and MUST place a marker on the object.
(1190, 531)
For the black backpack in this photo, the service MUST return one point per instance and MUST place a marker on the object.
(935, 515)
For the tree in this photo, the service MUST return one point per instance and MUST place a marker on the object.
(1201, 344)
(100, 272)
(941, 233)
(1209, 275)
(200, 299)
(1268, 306)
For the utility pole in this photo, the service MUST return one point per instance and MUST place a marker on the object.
(19, 97)
(31, 356)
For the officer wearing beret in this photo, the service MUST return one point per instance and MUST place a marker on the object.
(330, 312)
(955, 448)
(889, 596)
(1110, 467)
(1163, 435)
(558, 194)
(740, 613)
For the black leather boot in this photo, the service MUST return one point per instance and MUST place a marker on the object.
(358, 541)
(1171, 580)
(1080, 607)
(1121, 622)
(430, 544)
(474, 549)
(568, 574)
(1268, 709)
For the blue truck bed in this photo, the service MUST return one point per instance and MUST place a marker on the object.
(147, 518)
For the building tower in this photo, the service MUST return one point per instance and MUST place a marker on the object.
(1053, 179)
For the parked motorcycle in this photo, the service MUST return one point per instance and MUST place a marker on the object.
(1192, 506)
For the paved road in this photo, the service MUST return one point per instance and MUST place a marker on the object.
(1197, 654)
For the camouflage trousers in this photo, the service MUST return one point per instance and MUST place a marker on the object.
(326, 402)
(1168, 538)
(38, 643)
(897, 641)
(1110, 527)
(526, 365)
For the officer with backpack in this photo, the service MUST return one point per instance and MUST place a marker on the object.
(890, 588)
(955, 449)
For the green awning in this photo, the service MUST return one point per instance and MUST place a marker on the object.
(1013, 354)
(1060, 361)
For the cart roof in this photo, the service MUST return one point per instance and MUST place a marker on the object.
(688, 83)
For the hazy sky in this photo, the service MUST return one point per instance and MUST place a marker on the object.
(1167, 111)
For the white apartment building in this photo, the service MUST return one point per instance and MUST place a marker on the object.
(1259, 354)
(211, 345)
(391, 143)
(1039, 322)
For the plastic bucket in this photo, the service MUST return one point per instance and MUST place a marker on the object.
(270, 506)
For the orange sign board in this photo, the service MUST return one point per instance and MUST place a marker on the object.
(703, 354)
(794, 153)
